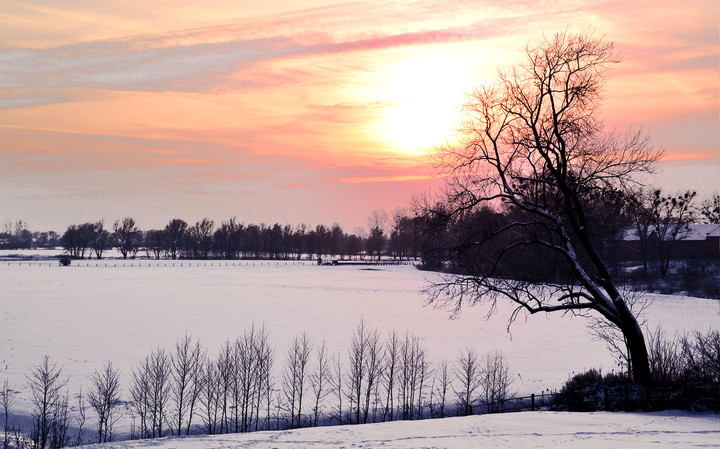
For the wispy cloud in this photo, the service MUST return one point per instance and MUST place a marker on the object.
(201, 59)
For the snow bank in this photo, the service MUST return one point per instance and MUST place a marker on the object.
(514, 430)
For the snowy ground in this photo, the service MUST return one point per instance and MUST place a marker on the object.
(82, 316)
(511, 430)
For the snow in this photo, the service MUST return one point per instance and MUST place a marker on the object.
(91, 312)
(555, 430)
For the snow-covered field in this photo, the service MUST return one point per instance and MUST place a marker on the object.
(82, 316)
(512, 430)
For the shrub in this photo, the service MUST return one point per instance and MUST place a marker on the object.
(591, 391)
(685, 373)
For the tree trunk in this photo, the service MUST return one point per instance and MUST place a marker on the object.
(635, 341)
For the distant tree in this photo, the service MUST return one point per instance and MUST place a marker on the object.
(671, 216)
(226, 239)
(77, 239)
(353, 245)
(127, 236)
(100, 238)
(319, 240)
(710, 209)
(377, 223)
(199, 238)
(174, 233)
(638, 209)
(155, 243)
(335, 240)
(402, 236)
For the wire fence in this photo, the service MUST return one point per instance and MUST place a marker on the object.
(190, 263)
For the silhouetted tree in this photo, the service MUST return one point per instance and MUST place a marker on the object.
(532, 144)
(174, 233)
(710, 209)
(104, 399)
(671, 215)
(377, 222)
(199, 238)
(50, 404)
(100, 238)
(127, 236)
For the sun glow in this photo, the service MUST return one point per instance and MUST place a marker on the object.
(425, 95)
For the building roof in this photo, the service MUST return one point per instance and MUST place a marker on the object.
(694, 232)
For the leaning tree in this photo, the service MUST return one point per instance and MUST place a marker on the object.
(532, 148)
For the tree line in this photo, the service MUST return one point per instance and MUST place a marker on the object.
(475, 241)
(229, 239)
(183, 390)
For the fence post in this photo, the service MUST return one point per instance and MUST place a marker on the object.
(532, 402)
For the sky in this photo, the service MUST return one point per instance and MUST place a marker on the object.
(305, 111)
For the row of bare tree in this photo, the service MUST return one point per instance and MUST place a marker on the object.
(233, 240)
(184, 391)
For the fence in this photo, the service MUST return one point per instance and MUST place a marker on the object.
(189, 263)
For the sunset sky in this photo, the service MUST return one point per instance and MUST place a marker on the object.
(304, 111)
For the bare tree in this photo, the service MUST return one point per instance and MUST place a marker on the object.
(100, 237)
(411, 375)
(532, 144)
(127, 236)
(390, 373)
(7, 399)
(174, 234)
(150, 392)
(363, 366)
(140, 396)
(295, 377)
(336, 380)
(377, 223)
(671, 215)
(47, 382)
(200, 238)
(263, 376)
(319, 381)
(210, 398)
(496, 381)
(224, 381)
(187, 363)
(373, 368)
(80, 418)
(104, 400)
(444, 383)
(710, 209)
(468, 372)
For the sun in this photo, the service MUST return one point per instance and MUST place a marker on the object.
(424, 96)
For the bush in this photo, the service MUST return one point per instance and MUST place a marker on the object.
(685, 373)
(591, 391)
